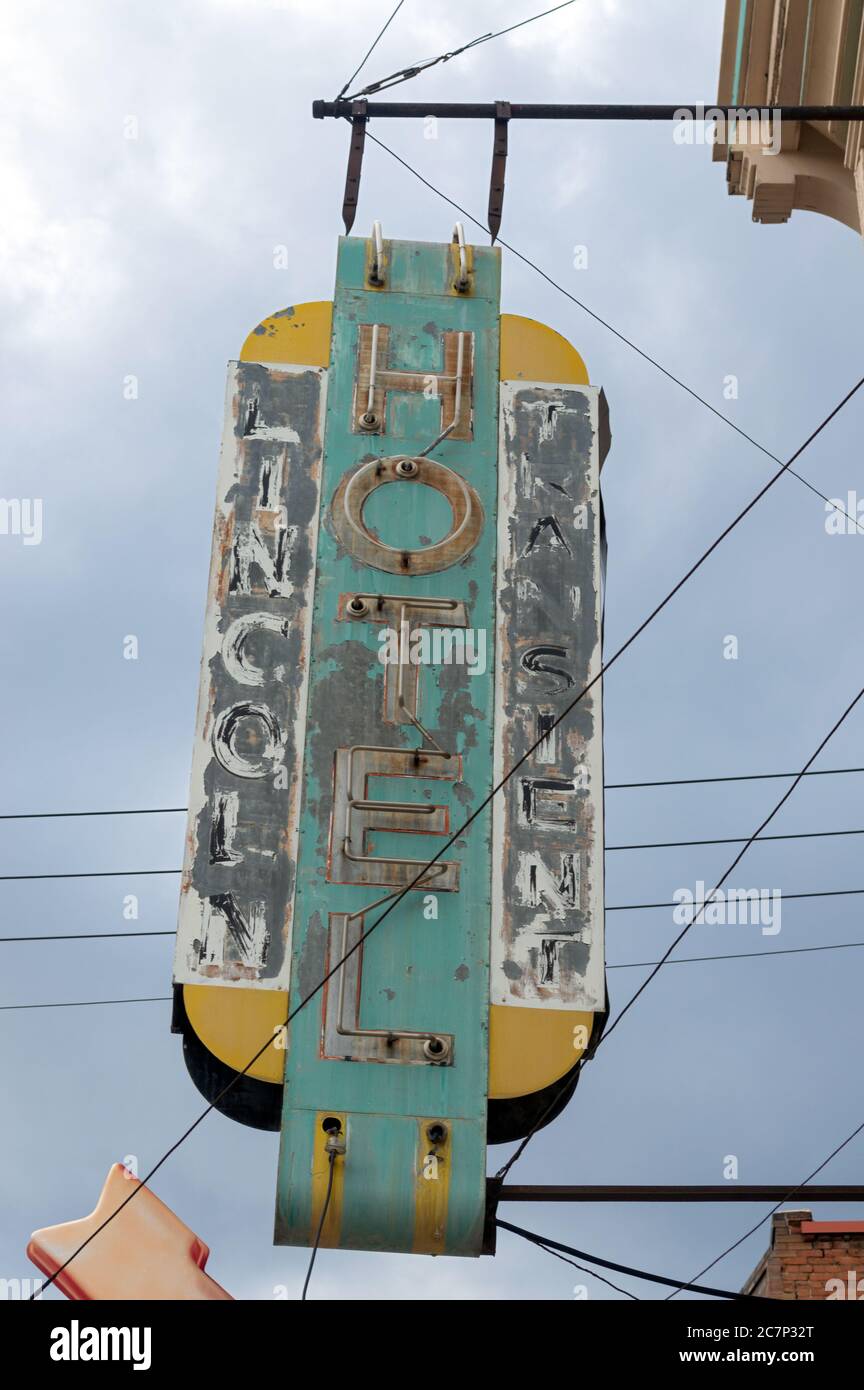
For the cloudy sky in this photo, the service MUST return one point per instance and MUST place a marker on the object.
(153, 257)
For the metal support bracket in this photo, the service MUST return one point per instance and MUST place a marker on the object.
(355, 163)
(499, 168)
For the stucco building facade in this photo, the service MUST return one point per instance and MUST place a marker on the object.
(794, 52)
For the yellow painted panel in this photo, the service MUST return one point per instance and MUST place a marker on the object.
(332, 1228)
(234, 1023)
(434, 1162)
(531, 351)
(531, 1048)
(300, 333)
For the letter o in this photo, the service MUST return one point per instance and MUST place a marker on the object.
(350, 498)
(224, 734)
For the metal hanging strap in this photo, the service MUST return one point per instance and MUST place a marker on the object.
(355, 163)
(499, 168)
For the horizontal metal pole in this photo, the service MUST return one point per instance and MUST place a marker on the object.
(722, 1192)
(551, 111)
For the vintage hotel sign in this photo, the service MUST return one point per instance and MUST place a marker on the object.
(406, 471)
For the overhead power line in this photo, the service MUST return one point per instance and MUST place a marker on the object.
(86, 936)
(621, 965)
(584, 1269)
(607, 786)
(89, 1003)
(89, 873)
(823, 893)
(609, 849)
(733, 840)
(550, 1245)
(737, 955)
(371, 49)
(621, 336)
(615, 907)
(61, 815)
(739, 777)
(405, 74)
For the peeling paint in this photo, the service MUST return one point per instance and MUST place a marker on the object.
(238, 879)
(547, 822)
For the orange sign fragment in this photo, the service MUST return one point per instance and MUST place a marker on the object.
(145, 1252)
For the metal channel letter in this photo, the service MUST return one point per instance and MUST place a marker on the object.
(356, 817)
(344, 1037)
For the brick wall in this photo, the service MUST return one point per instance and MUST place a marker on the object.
(810, 1259)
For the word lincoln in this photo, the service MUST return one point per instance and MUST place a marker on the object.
(422, 646)
(737, 906)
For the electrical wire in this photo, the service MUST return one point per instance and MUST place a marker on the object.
(615, 907)
(327, 1197)
(394, 79)
(740, 777)
(734, 840)
(87, 936)
(607, 786)
(789, 1195)
(622, 965)
(90, 873)
(609, 849)
(549, 1245)
(371, 50)
(583, 1269)
(90, 1003)
(737, 955)
(621, 336)
(59, 815)
(823, 893)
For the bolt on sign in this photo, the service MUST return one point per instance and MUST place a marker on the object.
(405, 595)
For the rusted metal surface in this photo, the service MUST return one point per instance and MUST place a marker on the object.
(408, 1046)
(547, 945)
(375, 370)
(403, 615)
(358, 815)
(403, 470)
(355, 164)
(238, 877)
(499, 167)
(345, 1039)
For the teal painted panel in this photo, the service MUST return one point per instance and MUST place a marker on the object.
(417, 973)
(739, 51)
